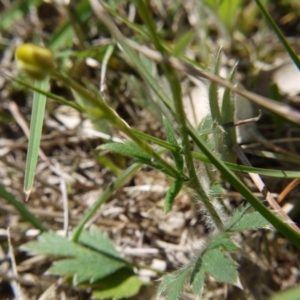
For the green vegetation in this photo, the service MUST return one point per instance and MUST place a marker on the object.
(150, 53)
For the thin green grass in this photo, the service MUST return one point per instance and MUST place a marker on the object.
(36, 127)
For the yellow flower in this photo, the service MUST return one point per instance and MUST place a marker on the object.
(36, 61)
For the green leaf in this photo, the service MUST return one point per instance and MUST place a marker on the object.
(220, 267)
(131, 149)
(182, 43)
(228, 108)
(289, 294)
(36, 125)
(205, 127)
(216, 189)
(214, 92)
(100, 242)
(171, 194)
(198, 282)
(222, 242)
(242, 221)
(173, 141)
(119, 285)
(172, 284)
(82, 264)
(227, 112)
(53, 244)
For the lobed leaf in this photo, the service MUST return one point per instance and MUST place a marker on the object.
(198, 282)
(248, 221)
(222, 242)
(81, 263)
(220, 267)
(172, 284)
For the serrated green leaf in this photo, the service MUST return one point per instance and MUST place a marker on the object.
(83, 264)
(173, 141)
(223, 242)
(52, 244)
(99, 241)
(219, 266)
(198, 282)
(122, 284)
(171, 194)
(205, 128)
(243, 221)
(88, 266)
(172, 284)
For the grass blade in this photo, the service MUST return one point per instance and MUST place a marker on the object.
(20, 207)
(104, 197)
(36, 125)
(279, 34)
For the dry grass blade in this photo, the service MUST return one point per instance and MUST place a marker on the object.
(288, 189)
(263, 189)
(280, 109)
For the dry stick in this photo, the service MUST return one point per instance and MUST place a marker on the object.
(288, 189)
(263, 189)
(281, 109)
(64, 198)
(14, 283)
(242, 122)
(275, 148)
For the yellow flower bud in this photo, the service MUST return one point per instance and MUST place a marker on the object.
(36, 61)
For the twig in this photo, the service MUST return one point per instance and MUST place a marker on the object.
(281, 109)
(14, 283)
(287, 189)
(263, 189)
(275, 148)
(242, 122)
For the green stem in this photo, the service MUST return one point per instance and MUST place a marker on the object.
(111, 116)
(103, 198)
(181, 118)
(278, 223)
